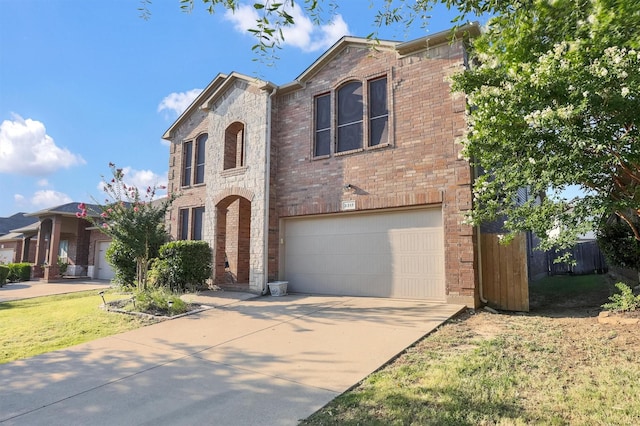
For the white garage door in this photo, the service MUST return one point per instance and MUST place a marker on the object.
(7, 256)
(396, 254)
(104, 271)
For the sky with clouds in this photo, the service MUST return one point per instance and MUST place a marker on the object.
(83, 84)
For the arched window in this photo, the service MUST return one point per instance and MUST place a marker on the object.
(358, 117)
(234, 146)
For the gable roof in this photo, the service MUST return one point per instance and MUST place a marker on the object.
(228, 82)
(401, 48)
(223, 81)
(213, 91)
(217, 81)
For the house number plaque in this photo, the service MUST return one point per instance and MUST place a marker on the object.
(349, 205)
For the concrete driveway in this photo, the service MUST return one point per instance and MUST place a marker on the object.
(247, 361)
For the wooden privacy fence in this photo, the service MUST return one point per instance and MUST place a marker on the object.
(505, 283)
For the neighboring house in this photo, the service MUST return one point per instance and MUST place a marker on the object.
(57, 234)
(346, 181)
(14, 247)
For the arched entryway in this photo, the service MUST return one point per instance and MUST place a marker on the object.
(233, 240)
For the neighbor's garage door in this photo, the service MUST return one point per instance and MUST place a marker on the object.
(104, 271)
(7, 256)
(387, 254)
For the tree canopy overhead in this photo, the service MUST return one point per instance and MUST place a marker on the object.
(554, 101)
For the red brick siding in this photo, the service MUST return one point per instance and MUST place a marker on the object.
(421, 166)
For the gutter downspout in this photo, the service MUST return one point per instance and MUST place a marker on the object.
(481, 292)
(267, 185)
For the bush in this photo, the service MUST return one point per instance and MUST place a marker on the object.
(625, 301)
(124, 265)
(618, 244)
(159, 271)
(183, 265)
(19, 272)
(156, 301)
(4, 272)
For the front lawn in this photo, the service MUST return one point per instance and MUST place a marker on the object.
(556, 365)
(34, 326)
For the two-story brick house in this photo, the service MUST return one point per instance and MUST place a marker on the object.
(347, 180)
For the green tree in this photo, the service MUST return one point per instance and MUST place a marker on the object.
(553, 102)
(134, 220)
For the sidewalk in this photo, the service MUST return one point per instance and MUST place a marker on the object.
(35, 288)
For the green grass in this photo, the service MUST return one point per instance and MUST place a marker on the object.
(506, 369)
(34, 326)
(568, 285)
(570, 290)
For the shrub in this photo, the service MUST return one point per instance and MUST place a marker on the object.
(184, 265)
(123, 263)
(19, 272)
(62, 266)
(625, 301)
(159, 271)
(156, 301)
(618, 244)
(4, 272)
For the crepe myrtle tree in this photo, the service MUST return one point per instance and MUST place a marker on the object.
(129, 217)
(553, 102)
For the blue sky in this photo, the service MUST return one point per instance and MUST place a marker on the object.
(85, 83)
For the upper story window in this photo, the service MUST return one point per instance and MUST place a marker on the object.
(323, 125)
(378, 112)
(357, 118)
(193, 160)
(187, 163)
(234, 146)
(201, 143)
(349, 112)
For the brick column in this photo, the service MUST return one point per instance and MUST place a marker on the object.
(52, 271)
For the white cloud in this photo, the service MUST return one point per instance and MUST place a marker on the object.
(48, 198)
(303, 34)
(43, 182)
(142, 179)
(18, 198)
(26, 149)
(243, 18)
(178, 102)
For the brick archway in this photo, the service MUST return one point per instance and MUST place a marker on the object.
(232, 240)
